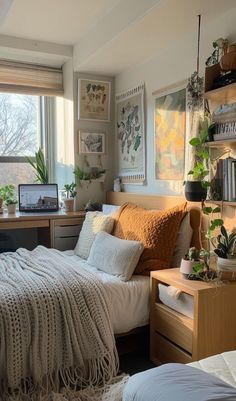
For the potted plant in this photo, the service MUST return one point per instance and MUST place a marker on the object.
(224, 248)
(9, 197)
(40, 167)
(187, 263)
(196, 187)
(1, 201)
(70, 193)
(201, 258)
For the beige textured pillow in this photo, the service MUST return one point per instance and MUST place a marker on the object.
(93, 223)
(183, 241)
(115, 256)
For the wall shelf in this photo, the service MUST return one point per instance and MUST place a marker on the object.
(221, 202)
(225, 143)
(226, 94)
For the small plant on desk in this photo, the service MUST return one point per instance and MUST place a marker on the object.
(69, 190)
(7, 193)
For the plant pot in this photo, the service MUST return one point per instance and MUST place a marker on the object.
(186, 267)
(226, 268)
(194, 191)
(11, 208)
(69, 204)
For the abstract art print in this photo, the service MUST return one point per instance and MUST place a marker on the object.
(91, 142)
(170, 128)
(130, 135)
(94, 100)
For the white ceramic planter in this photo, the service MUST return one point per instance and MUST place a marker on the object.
(11, 208)
(69, 204)
(228, 265)
(186, 267)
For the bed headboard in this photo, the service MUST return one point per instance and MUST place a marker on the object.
(162, 203)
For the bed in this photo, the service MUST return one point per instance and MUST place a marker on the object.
(209, 379)
(118, 306)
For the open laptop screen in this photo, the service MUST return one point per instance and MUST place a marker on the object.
(38, 197)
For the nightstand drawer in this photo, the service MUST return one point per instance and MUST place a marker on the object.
(167, 352)
(174, 326)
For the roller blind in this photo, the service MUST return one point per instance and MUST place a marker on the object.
(30, 79)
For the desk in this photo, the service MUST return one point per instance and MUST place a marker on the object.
(58, 230)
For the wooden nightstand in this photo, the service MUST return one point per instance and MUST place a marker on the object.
(177, 338)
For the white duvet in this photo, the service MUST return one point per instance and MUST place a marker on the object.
(130, 301)
(221, 365)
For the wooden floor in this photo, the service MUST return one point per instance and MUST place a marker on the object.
(133, 351)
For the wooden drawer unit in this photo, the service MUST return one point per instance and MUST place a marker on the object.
(65, 232)
(173, 325)
(178, 338)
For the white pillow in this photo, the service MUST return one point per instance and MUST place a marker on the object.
(109, 209)
(93, 223)
(115, 256)
(183, 241)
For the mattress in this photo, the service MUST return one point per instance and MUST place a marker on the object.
(221, 365)
(129, 301)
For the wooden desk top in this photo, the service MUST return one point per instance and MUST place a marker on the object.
(19, 216)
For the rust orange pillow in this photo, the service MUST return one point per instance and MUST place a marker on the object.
(157, 230)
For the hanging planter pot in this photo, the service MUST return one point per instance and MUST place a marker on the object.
(194, 191)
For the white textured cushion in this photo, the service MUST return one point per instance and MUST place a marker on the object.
(183, 241)
(114, 255)
(93, 223)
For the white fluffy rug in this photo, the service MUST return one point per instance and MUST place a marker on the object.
(112, 391)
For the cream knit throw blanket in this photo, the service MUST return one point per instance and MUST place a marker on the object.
(54, 323)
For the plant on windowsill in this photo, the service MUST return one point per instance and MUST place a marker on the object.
(69, 191)
(7, 193)
(39, 166)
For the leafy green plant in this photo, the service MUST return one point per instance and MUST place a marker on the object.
(200, 169)
(193, 254)
(225, 243)
(69, 190)
(40, 167)
(7, 193)
(81, 175)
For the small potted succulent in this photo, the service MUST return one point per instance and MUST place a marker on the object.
(69, 190)
(187, 263)
(8, 195)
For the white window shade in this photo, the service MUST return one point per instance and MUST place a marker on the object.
(30, 79)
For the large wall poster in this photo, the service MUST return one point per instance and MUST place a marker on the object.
(170, 128)
(130, 135)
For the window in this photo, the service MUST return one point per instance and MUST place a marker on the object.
(20, 136)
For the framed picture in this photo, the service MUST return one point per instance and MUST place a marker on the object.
(131, 135)
(170, 133)
(94, 100)
(91, 142)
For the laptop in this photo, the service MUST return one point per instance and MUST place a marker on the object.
(38, 197)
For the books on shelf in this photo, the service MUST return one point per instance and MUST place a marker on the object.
(225, 179)
(224, 118)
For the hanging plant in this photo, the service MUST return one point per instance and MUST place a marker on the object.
(195, 90)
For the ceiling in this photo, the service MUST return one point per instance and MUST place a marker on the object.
(102, 36)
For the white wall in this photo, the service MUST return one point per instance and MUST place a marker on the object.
(171, 66)
(94, 191)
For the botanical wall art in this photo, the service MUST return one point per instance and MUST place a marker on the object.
(170, 128)
(94, 100)
(130, 135)
(91, 142)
